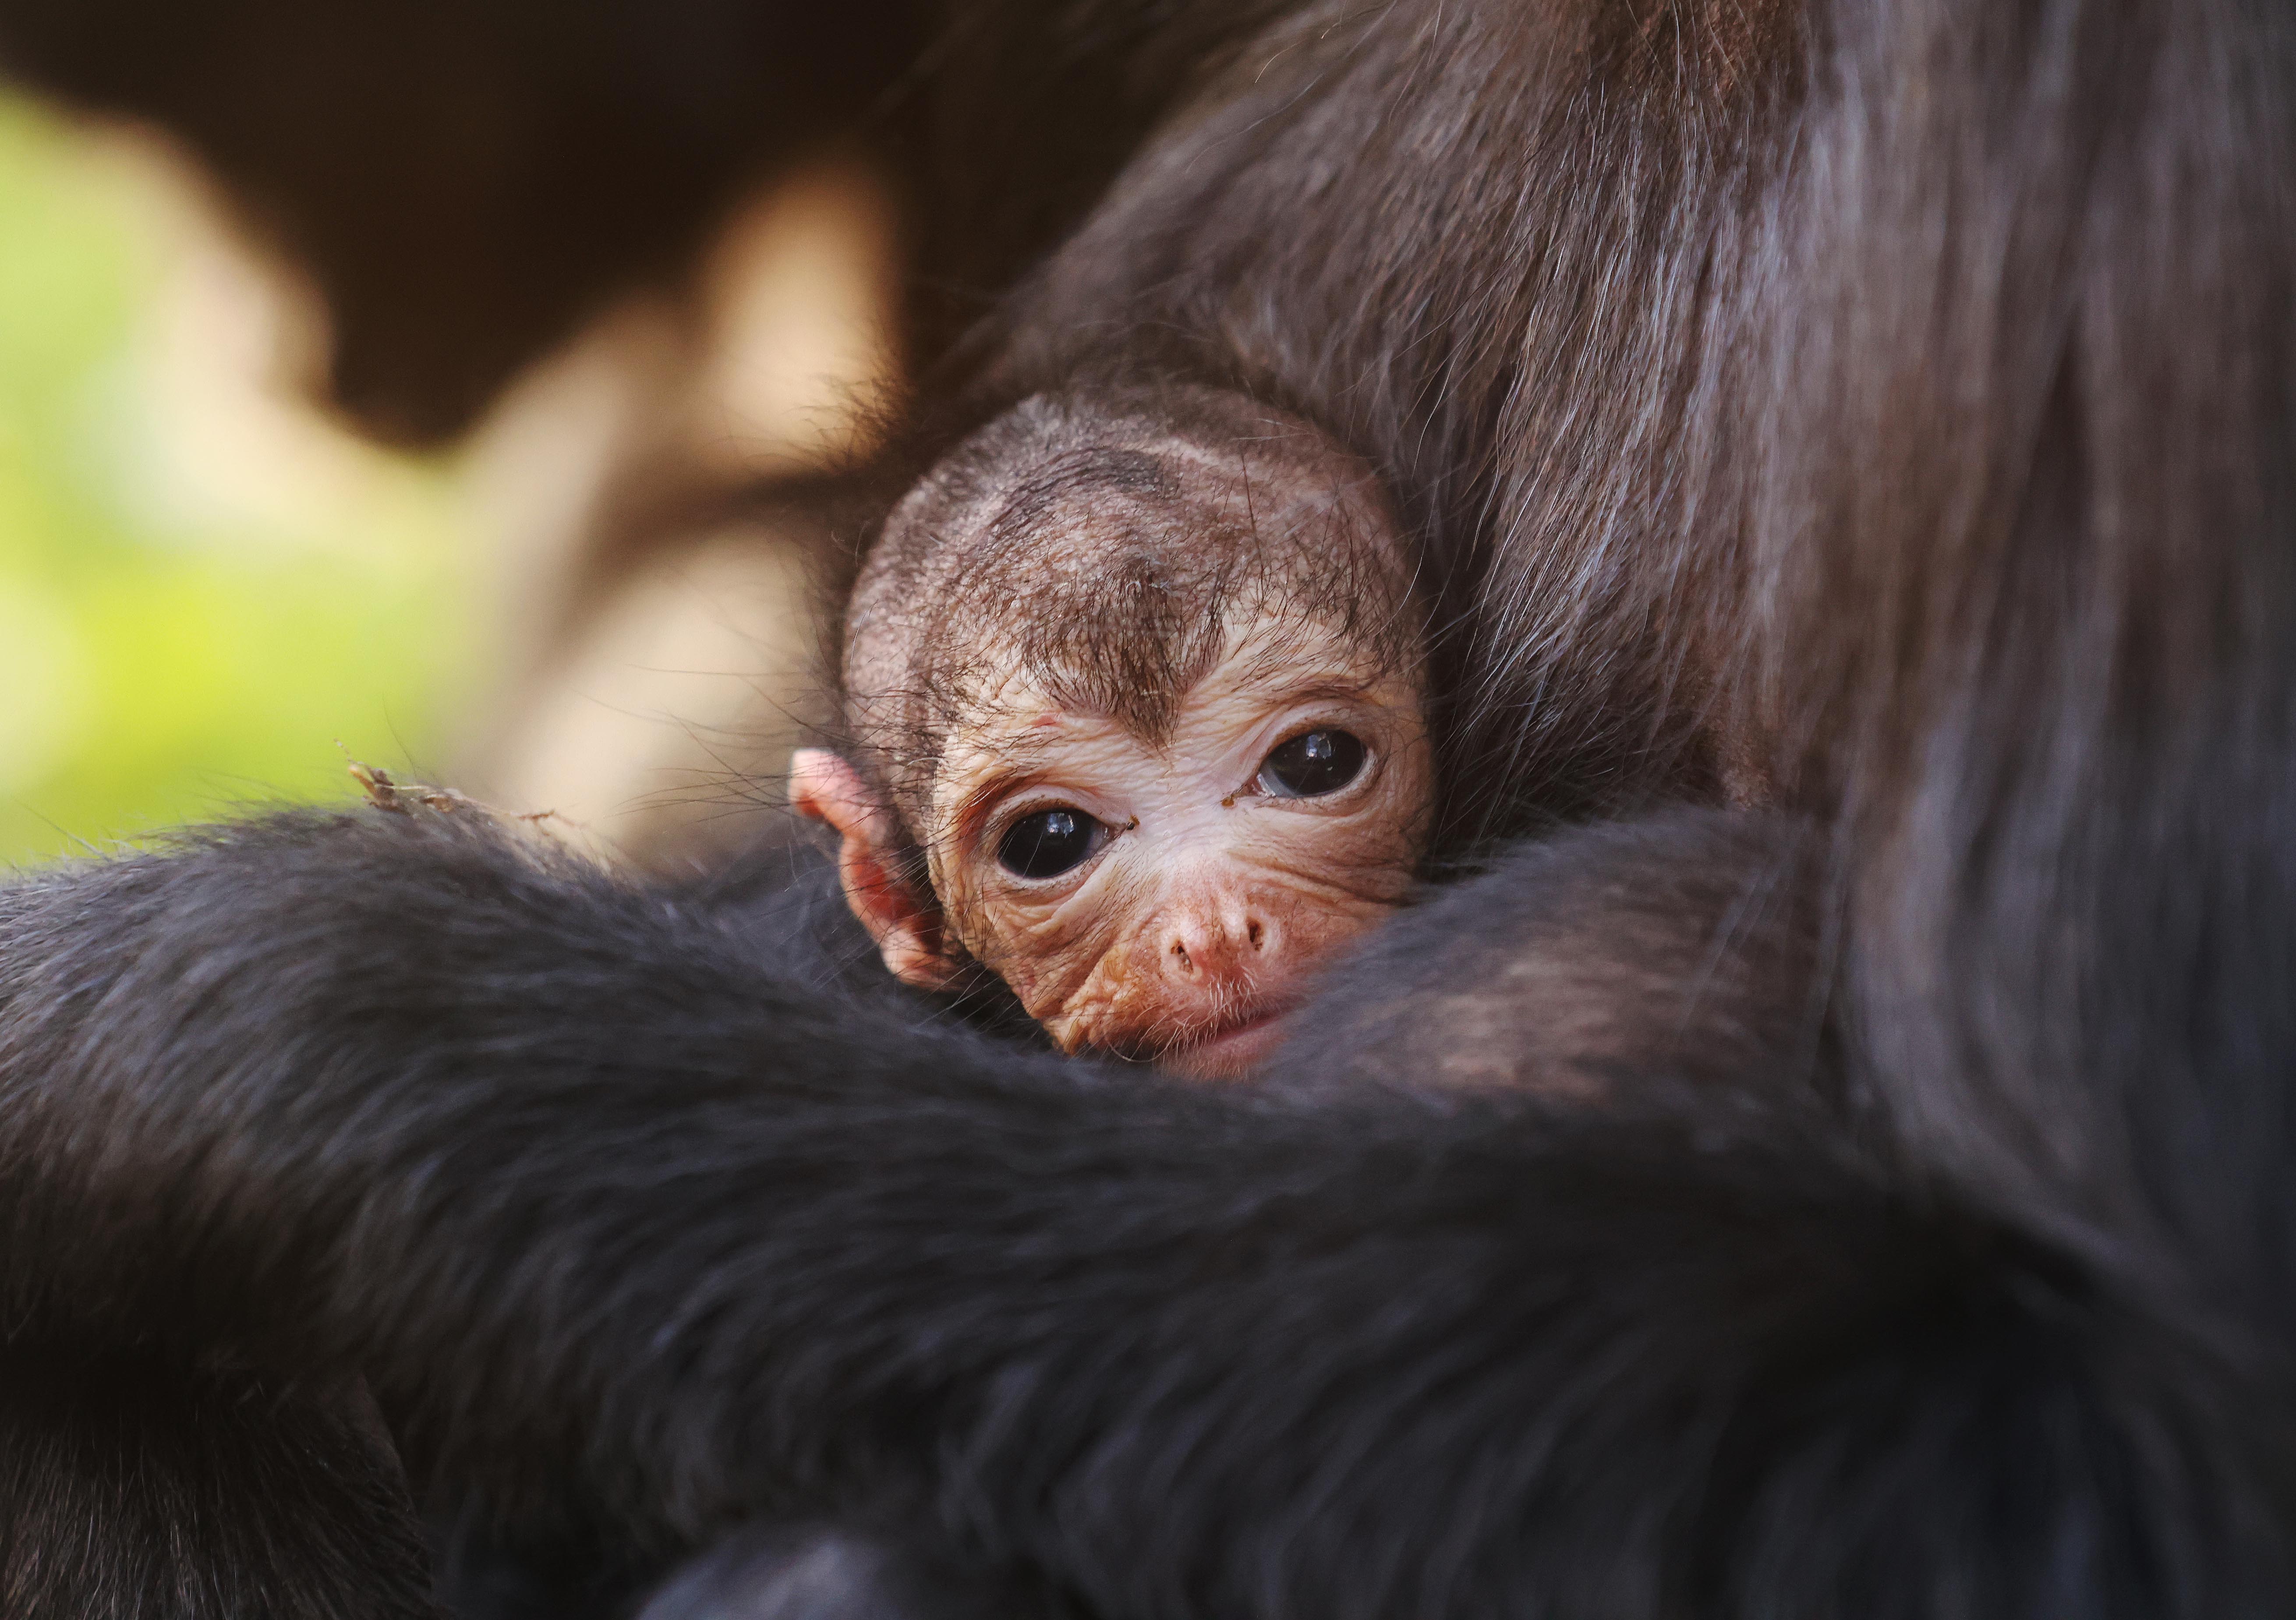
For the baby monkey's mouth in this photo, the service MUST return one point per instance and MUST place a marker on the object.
(1227, 1045)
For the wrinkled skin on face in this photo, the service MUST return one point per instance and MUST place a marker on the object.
(1211, 892)
(1140, 678)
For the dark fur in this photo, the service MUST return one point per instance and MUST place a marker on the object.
(1683, 949)
(1359, 1350)
(1880, 413)
(126, 1479)
(810, 1573)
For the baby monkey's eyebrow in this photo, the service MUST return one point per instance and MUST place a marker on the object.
(1020, 759)
(1336, 686)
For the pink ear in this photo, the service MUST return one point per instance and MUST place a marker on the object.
(906, 927)
(825, 787)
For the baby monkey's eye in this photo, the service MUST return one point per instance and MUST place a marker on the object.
(1049, 843)
(1312, 764)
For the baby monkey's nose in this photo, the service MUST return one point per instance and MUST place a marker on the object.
(1217, 940)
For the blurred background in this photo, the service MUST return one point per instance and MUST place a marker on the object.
(214, 594)
(204, 587)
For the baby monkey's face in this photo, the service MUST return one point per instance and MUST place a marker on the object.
(1167, 898)
(1141, 676)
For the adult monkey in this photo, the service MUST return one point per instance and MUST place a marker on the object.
(1885, 414)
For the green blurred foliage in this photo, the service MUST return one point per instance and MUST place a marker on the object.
(164, 659)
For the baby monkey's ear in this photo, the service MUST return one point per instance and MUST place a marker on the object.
(905, 926)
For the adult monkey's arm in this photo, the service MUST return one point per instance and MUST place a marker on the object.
(587, 1199)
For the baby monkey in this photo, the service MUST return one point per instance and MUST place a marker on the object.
(1133, 691)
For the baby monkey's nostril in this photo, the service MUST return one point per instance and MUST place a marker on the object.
(1254, 933)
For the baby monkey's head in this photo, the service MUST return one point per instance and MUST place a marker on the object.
(1133, 691)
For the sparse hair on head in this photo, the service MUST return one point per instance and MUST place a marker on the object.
(1107, 542)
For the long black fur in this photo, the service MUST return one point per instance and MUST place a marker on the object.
(138, 1487)
(1863, 428)
(617, 1225)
